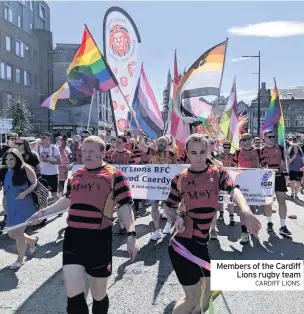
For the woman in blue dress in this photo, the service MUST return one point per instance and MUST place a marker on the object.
(19, 181)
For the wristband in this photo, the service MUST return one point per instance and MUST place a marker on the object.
(132, 233)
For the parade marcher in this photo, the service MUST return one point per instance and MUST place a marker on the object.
(257, 143)
(87, 246)
(29, 157)
(161, 155)
(111, 150)
(74, 146)
(227, 160)
(273, 157)
(295, 173)
(19, 180)
(122, 156)
(246, 157)
(195, 192)
(63, 167)
(11, 138)
(49, 157)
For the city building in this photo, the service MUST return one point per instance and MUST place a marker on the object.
(25, 61)
(292, 100)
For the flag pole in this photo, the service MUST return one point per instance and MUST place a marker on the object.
(90, 112)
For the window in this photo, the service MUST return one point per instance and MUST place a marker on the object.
(299, 123)
(31, 26)
(8, 43)
(100, 112)
(31, 5)
(8, 13)
(287, 123)
(104, 114)
(27, 53)
(19, 49)
(42, 12)
(9, 99)
(35, 55)
(19, 21)
(18, 76)
(35, 80)
(2, 70)
(9, 73)
(27, 78)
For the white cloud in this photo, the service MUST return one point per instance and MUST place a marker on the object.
(270, 29)
(238, 59)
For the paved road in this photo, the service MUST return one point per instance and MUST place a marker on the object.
(148, 286)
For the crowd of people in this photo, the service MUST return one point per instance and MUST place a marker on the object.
(91, 211)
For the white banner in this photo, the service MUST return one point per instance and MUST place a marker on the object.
(152, 182)
(121, 41)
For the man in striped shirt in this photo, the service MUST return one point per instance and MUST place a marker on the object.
(195, 192)
(121, 155)
(87, 248)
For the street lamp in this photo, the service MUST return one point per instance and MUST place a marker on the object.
(259, 101)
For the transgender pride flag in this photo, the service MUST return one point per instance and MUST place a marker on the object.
(146, 109)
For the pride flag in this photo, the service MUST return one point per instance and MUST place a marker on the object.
(89, 70)
(145, 109)
(275, 117)
(62, 93)
(274, 112)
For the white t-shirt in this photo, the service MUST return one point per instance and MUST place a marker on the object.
(50, 153)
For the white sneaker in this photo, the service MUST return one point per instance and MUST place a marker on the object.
(156, 235)
(167, 229)
(163, 215)
(15, 266)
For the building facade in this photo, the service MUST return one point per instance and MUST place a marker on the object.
(25, 42)
(292, 101)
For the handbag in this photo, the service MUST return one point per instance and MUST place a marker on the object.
(41, 193)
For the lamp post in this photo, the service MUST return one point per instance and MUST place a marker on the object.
(259, 100)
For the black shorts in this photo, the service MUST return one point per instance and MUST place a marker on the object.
(187, 272)
(52, 180)
(295, 175)
(91, 249)
(280, 183)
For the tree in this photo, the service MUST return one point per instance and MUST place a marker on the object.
(21, 117)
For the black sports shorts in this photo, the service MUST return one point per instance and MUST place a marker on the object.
(295, 175)
(187, 272)
(91, 249)
(280, 183)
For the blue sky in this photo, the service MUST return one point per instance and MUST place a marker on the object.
(194, 27)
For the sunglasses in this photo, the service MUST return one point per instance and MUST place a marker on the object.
(12, 138)
(226, 147)
(271, 136)
(19, 144)
(212, 143)
(245, 140)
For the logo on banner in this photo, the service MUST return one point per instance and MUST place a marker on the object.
(122, 124)
(267, 180)
(119, 41)
(131, 67)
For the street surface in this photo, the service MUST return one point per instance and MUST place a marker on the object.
(148, 286)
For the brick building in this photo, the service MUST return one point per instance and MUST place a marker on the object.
(25, 59)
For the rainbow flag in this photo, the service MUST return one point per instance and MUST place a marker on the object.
(275, 117)
(89, 71)
(274, 112)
